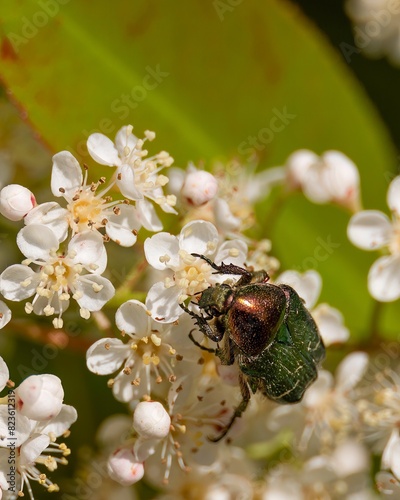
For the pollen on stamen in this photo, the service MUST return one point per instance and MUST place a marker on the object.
(97, 288)
(85, 313)
(58, 323)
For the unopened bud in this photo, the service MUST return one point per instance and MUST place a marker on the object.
(151, 420)
(199, 187)
(123, 467)
(5, 314)
(16, 201)
(40, 397)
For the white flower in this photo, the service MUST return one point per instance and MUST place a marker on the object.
(379, 408)
(148, 358)
(86, 209)
(376, 27)
(371, 230)
(16, 201)
(337, 476)
(35, 445)
(327, 412)
(328, 319)
(330, 178)
(197, 411)
(186, 275)
(40, 397)
(137, 177)
(231, 201)
(58, 276)
(5, 314)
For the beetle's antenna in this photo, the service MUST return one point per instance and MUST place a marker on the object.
(224, 268)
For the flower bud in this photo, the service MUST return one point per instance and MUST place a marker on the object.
(5, 314)
(151, 421)
(16, 201)
(123, 467)
(199, 187)
(4, 374)
(40, 397)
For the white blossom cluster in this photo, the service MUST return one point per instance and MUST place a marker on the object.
(376, 27)
(180, 397)
(32, 418)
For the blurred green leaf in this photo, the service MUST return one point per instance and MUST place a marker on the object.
(213, 83)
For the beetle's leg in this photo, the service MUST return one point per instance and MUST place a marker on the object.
(246, 395)
(199, 345)
(204, 327)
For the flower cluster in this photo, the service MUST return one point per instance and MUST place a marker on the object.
(178, 363)
(32, 417)
(376, 27)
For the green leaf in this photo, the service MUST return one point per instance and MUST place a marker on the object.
(214, 81)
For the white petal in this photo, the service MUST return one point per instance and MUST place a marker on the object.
(126, 183)
(102, 150)
(350, 457)
(52, 215)
(62, 422)
(393, 196)
(88, 248)
(35, 241)
(318, 390)
(120, 227)
(316, 185)
(224, 218)
(162, 245)
(384, 279)
(387, 484)
(125, 139)
(396, 460)
(388, 452)
(66, 175)
(163, 303)
(369, 229)
(298, 164)
(176, 179)
(24, 427)
(125, 390)
(131, 317)
(11, 279)
(106, 356)
(5, 317)
(147, 216)
(42, 302)
(199, 237)
(260, 184)
(308, 285)
(33, 447)
(92, 300)
(4, 374)
(342, 175)
(330, 324)
(351, 370)
(232, 252)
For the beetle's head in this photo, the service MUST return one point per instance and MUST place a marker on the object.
(216, 300)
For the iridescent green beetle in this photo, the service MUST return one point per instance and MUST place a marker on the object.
(265, 328)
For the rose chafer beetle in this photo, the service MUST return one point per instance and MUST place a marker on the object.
(266, 329)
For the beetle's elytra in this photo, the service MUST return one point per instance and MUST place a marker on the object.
(266, 329)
